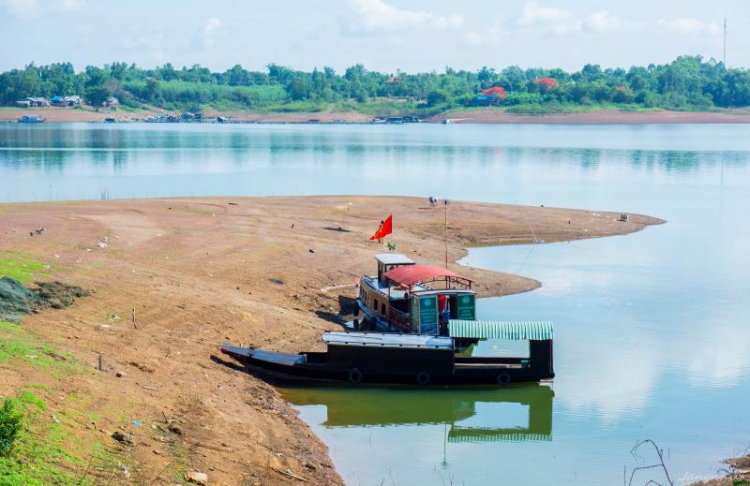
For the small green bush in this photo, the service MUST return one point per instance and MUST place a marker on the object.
(10, 426)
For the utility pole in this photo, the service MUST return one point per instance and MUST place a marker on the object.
(725, 42)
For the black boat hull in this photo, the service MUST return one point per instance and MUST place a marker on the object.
(341, 364)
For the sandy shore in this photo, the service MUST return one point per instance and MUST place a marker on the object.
(199, 272)
(603, 117)
(485, 116)
(61, 115)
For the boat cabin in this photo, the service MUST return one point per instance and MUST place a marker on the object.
(411, 298)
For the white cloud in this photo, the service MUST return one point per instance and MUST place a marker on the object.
(23, 8)
(34, 8)
(377, 16)
(208, 36)
(547, 19)
(688, 26)
(603, 22)
(149, 39)
(71, 5)
(490, 37)
(537, 20)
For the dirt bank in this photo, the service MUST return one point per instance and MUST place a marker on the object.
(736, 473)
(483, 116)
(174, 278)
(301, 117)
(603, 117)
(64, 115)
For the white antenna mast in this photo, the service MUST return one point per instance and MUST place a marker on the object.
(725, 42)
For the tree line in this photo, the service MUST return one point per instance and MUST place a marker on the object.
(687, 83)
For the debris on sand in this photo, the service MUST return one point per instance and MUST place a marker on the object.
(123, 438)
(290, 474)
(17, 300)
(196, 477)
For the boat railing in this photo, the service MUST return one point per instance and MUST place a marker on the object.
(446, 283)
(399, 319)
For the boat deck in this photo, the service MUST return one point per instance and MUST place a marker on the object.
(287, 359)
(485, 365)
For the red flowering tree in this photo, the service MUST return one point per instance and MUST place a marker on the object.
(623, 94)
(496, 91)
(546, 84)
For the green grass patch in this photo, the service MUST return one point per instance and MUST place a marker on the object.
(19, 346)
(44, 452)
(22, 267)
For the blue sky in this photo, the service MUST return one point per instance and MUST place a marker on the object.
(385, 35)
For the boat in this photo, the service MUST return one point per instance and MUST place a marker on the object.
(31, 119)
(410, 298)
(419, 359)
(417, 326)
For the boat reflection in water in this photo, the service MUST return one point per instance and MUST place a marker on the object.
(458, 408)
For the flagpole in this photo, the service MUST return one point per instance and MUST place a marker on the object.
(445, 212)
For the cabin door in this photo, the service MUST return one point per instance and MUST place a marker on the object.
(428, 315)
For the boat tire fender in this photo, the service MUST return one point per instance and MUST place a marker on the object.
(503, 379)
(423, 378)
(355, 376)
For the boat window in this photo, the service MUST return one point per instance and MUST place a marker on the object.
(400, 305)
(382, 308)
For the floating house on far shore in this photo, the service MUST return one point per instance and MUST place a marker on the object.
(33, 102)
(111, 103)
(64, 101)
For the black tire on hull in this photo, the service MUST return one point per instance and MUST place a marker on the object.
(423, 378)
(503, 379)
(355, 376)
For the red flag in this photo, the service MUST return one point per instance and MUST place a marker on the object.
(386, 228)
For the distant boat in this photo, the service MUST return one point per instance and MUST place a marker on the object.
(31, 119)
(447, 121)
(110, 119)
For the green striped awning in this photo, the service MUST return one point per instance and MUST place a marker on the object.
(510, 330)
(465, 434)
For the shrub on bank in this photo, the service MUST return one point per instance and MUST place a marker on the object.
(10, 426)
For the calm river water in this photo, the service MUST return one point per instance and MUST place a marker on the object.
(652, 329)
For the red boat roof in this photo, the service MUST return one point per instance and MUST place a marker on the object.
(409, 275)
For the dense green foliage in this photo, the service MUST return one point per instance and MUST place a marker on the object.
(687, 83)
(10, 426)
